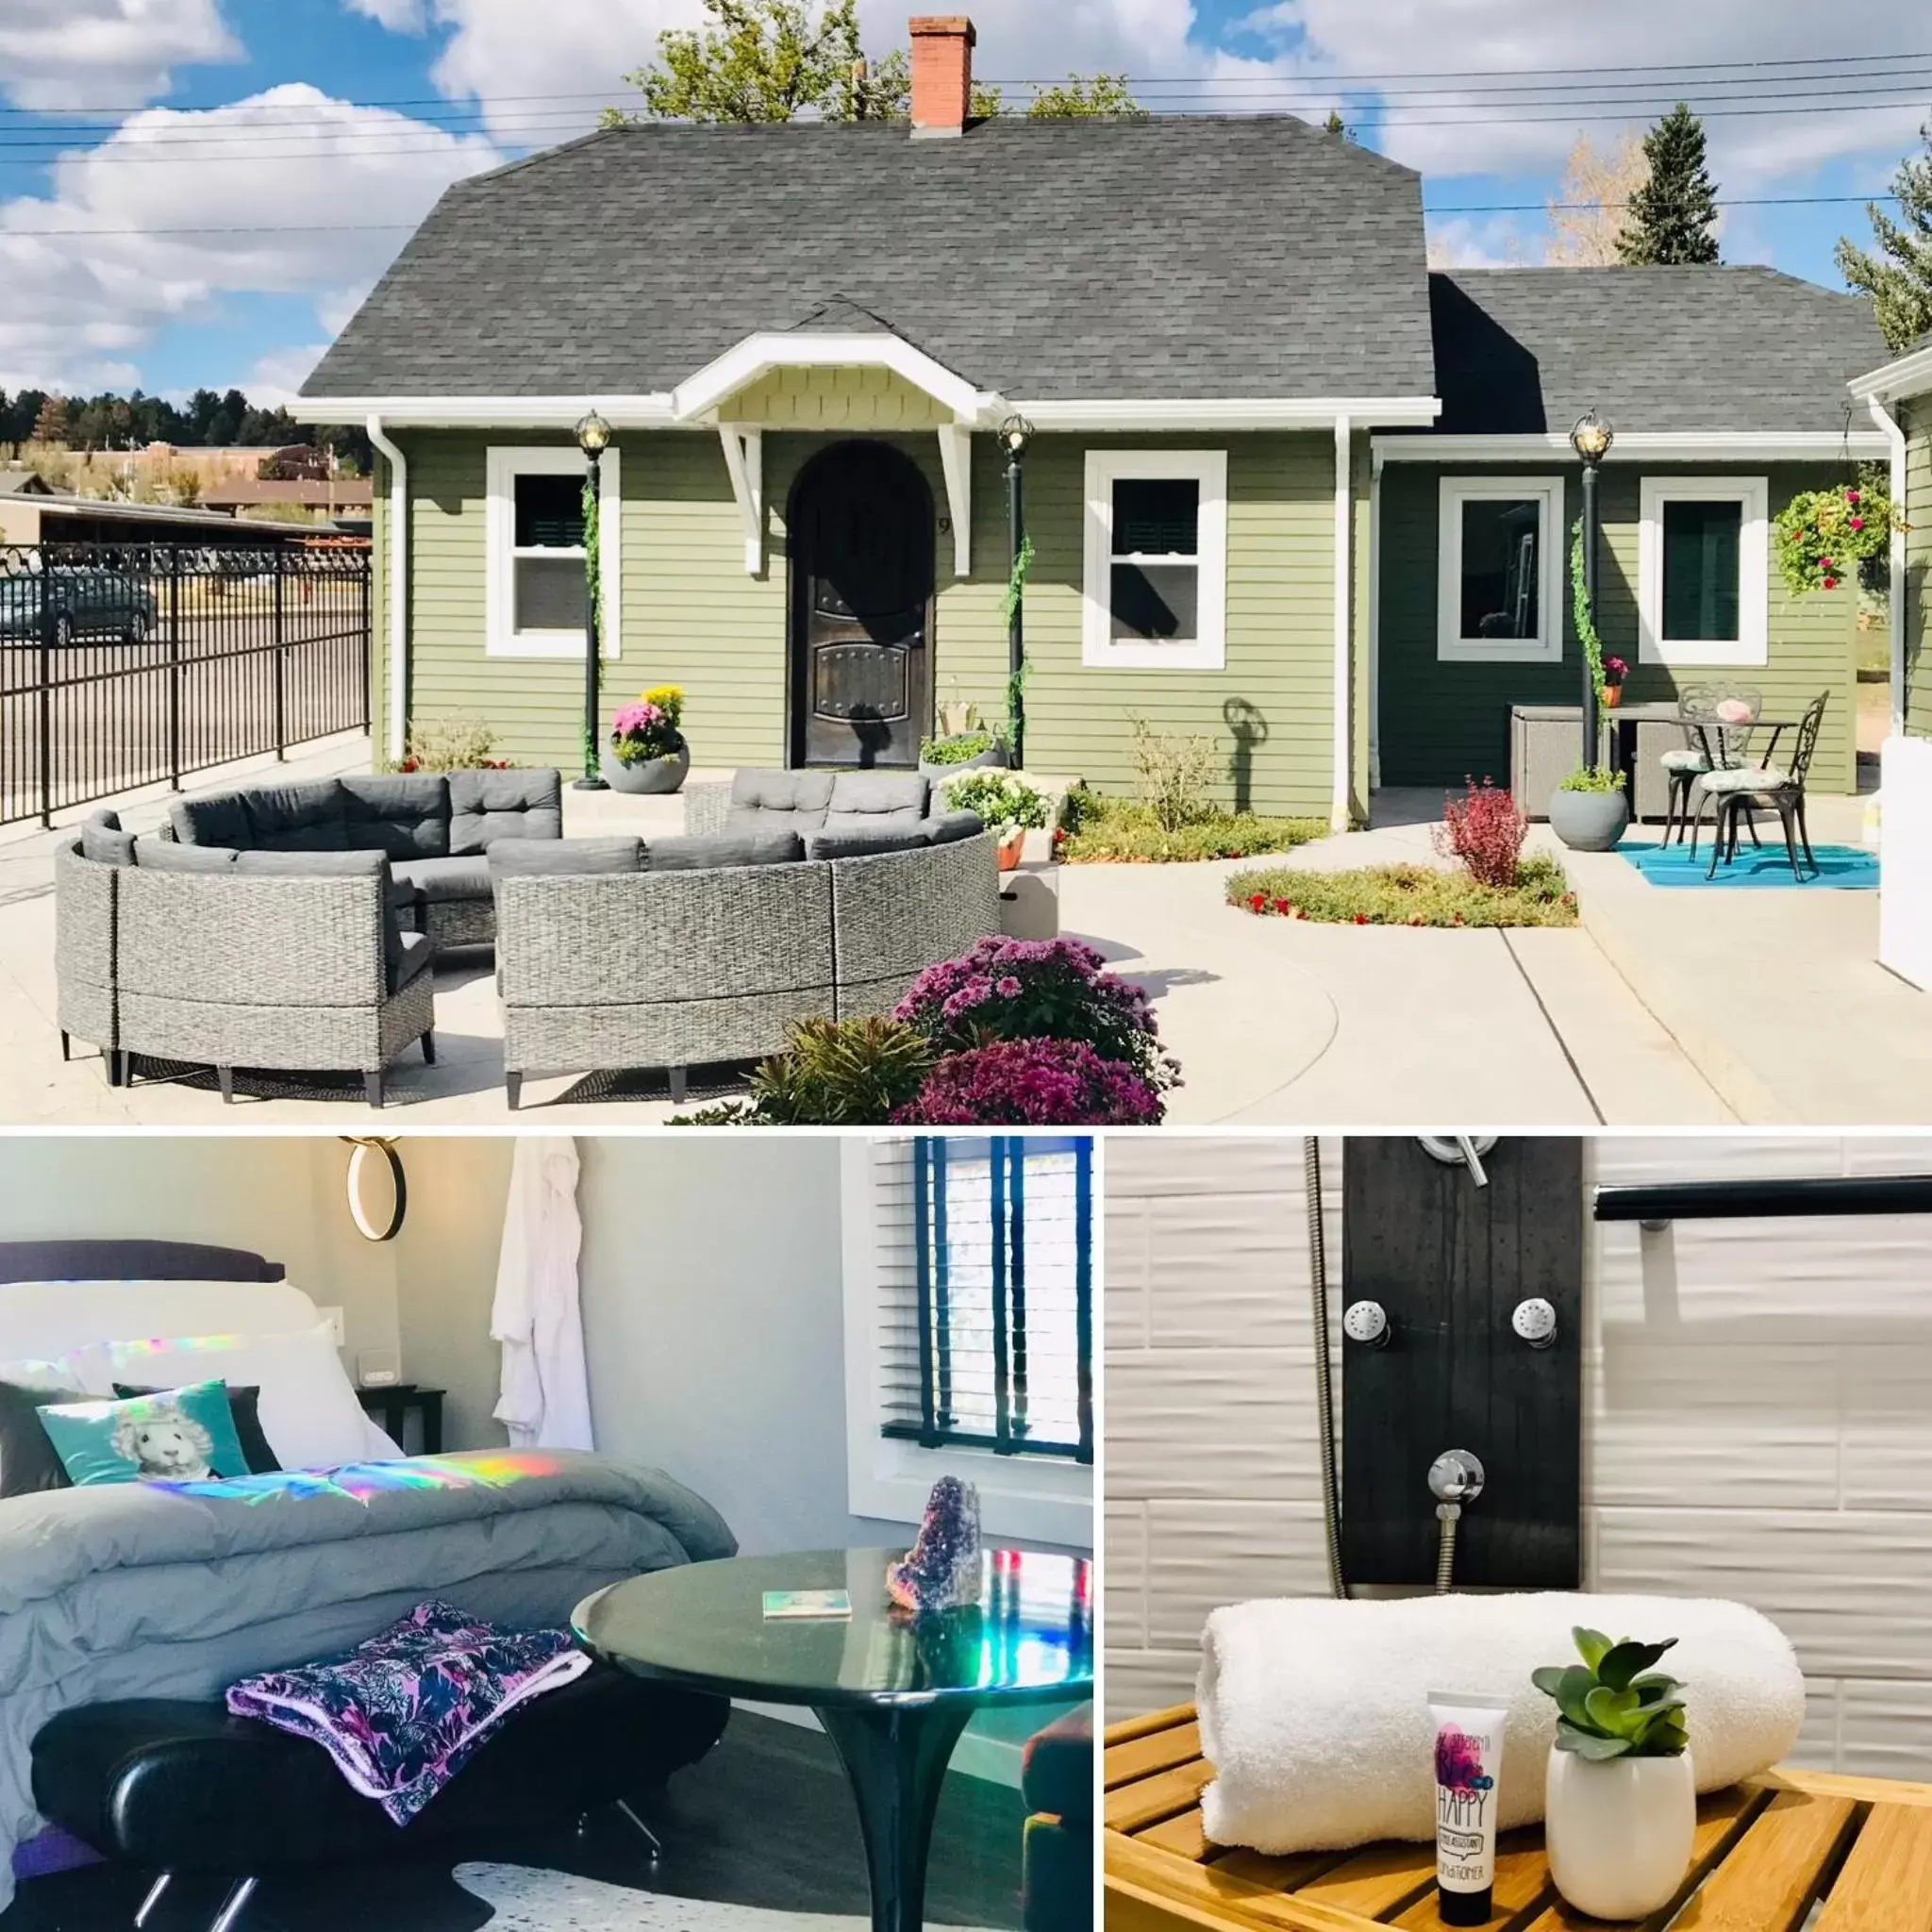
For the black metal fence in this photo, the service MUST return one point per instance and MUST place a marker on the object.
(128, 665)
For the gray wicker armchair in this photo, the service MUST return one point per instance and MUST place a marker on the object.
(84, 954)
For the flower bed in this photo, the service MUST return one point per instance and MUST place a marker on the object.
(1101, 830)
(1407, 895)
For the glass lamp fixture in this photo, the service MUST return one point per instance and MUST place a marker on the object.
(378, 1191)
(1593, 437)
(1016, 433)
(593, 435)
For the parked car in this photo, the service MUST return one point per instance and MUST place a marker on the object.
(90, 603)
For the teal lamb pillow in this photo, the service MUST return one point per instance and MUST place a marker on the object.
(177, 1435)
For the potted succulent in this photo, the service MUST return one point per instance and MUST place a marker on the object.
(1612, 690)
(1589, 810)
(1009, 805)
(961, 750)
(1620, 1797)
(647, 751)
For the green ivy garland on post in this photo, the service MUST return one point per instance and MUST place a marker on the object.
(1586, 618)
(593, 566)
(1016, 590)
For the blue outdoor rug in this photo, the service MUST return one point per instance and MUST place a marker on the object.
(1840, 868)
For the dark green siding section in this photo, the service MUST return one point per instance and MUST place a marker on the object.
(693, 616)
(1917, 421)
(1441, 722)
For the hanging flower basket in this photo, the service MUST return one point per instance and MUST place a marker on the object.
(1822, 536)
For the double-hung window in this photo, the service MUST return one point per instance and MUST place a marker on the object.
(1503, 563)
(970, 1317)
(1704, 570)
(537, 605)
(1156, 559)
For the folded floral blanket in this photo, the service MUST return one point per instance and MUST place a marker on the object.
(402, 1713)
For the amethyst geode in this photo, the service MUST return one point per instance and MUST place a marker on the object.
(941, 1571)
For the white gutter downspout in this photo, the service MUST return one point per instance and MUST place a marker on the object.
(398, 566)
(1374, 621)
(1341, 814)
(1888, 422)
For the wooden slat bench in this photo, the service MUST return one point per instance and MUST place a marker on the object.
(1766, 1853)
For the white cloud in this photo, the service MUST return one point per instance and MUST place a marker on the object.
(92, 54)
(288, 219)
(277, 377)
(399, 16)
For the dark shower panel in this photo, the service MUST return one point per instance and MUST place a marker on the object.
(1450, 1262)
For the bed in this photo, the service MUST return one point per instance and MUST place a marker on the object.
(175, 1590)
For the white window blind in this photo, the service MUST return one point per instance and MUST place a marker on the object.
(985, 1282)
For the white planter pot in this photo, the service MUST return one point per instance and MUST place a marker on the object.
(1619, 1835)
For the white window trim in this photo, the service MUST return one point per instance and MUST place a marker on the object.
(1752, 645)
(1024, 1498)
(1107, 466)
(506, 463)
(1552, 565)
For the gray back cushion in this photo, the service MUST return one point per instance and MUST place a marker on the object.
(880, 833)
(169, 854)
(561, 857)
(315, 865)
(943, 827)
(864, 802)
(405, 814)
(485, 807)
(297, 818)
(779, 801)
(220, 819)
(103, 840)
(705, 851)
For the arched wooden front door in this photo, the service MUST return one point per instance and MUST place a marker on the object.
(861, 543)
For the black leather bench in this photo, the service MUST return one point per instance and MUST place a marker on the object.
(182, 1786)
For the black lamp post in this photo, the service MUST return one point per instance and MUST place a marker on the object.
(1016, 433)
(594, 439)
(1591, 440)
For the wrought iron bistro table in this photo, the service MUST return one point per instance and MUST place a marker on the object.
(893, 1691)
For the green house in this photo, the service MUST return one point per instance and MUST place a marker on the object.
(1272, 459)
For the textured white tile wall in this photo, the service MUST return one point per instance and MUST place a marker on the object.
(1758, 1415)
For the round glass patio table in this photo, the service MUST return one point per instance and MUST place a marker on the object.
(892, 1691)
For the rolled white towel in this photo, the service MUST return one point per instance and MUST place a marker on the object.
(1315, 1713)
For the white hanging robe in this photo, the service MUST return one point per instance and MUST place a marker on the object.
(536, 1316)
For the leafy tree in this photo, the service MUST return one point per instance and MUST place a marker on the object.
(1898, 275)
(1674, 214)
(1586, 216)
(51, 424)
(1102, 97)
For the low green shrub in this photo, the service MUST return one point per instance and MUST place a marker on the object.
(1407, 895)
(958, 750)
(833, 1074)
(1596, 778)
(1126, 831)
(1003, 799)
(451, 744)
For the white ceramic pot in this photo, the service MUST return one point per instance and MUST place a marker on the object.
(1619, 1835)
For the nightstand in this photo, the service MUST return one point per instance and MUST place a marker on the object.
(390, 1407)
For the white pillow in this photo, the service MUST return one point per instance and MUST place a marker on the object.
(40, 1375)
(309, 1409)
(85, 1369)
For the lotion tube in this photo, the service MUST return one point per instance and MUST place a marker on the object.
(1468, 1768)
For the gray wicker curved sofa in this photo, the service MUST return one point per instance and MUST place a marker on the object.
(791, 895)
(291, 927)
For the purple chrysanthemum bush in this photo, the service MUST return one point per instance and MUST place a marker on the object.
(1013, 1033)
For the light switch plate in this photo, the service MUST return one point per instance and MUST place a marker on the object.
(338, 1329)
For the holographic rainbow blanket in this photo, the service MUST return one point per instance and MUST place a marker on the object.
(149, 1589)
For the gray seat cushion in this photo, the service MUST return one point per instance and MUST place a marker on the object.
(779, 801)
(562, 857)
(403, 813)
(943, 827)
(314, 865)
(169, 854)
(441, 882)
(310, 817)
(883, 833)
(485, 807)
(220, 819)
(411, 957)
(708, 851)
(103, 840)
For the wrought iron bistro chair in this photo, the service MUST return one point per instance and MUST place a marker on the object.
(1718, 735)
(1741, 791)
(1686, 765)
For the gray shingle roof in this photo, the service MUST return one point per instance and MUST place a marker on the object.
(1656, 349)
(1185, 258)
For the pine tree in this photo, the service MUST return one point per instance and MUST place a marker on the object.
(1674, 215)
(1898, 277)
(50, 425)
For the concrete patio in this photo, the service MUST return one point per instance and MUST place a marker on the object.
(1642, 1016)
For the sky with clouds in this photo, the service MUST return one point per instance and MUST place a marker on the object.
(200, 191)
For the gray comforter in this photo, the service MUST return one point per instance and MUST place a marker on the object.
(151, 1591)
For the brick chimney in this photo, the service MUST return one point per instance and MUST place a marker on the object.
(942, 74)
